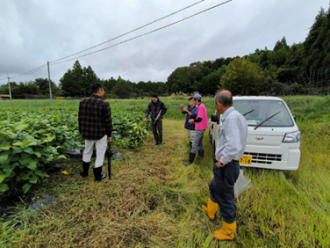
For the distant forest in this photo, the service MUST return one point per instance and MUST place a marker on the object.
(262, 72)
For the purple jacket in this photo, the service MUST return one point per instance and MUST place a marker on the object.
(193, 111)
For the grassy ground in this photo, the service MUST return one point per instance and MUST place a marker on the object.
(154, 201)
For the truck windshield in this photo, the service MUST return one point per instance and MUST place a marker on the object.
(262, 110)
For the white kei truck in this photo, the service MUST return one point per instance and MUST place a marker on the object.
(273, 139)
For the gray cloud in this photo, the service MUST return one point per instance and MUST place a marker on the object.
(34, 32)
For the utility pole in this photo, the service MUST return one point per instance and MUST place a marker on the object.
(9, 86)
(50, 88)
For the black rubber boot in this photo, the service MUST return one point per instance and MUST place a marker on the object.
(84, 172)
(160, 140)
(191, 159)
(99, 176)
(201, 154)
(156, 139)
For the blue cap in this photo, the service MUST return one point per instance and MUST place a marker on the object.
(197, 96)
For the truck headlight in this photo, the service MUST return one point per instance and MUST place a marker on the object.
(292, 137)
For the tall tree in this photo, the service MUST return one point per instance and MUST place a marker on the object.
(243, 78)
(312, 48)
(178, 81)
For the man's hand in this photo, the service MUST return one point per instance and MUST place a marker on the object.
(145, 119)
(191, 121)
(158, 116)
(218, 163)
(181, 106)
(110, 139)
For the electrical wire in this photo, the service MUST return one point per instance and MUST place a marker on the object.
(143, 26)
(155, 30)
(58, 61)
(52, 62)
(26, 73)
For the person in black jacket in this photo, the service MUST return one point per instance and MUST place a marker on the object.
(157, 109)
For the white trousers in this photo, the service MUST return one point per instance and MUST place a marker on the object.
(101, 147)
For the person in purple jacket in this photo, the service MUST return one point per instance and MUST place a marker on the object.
(191, 112)
(200, 127)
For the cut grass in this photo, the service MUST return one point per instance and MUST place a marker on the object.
(152, 200)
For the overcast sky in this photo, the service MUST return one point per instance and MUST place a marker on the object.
(34, 32)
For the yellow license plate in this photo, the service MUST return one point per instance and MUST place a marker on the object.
(246, 160)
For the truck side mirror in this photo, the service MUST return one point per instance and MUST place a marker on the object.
(295, 119)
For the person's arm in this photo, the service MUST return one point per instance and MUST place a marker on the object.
(164, 109)
(183, 111)
(233, 144)
(196, 120)
(194, 113)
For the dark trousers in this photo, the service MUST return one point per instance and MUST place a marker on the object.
(222, 189)
(158, 125)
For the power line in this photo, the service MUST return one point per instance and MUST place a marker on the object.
(37, 69)
(27, 73)
(143, 26)
(155, 30)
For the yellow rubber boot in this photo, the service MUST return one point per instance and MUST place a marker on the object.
(226, 232)
(211, 209)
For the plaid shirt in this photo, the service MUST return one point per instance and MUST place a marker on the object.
(94, 118)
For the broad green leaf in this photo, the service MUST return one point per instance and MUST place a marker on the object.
(3, 157)
(3, 187)
(34, 179)
(24, 161)
(28, 150)
(13, 136)
(26, 143)
(20, 126)
(41, 173)
(19, 143)
(38, 154)
(2, 177)
(5, 146)
(25, 176)
(32, 165)
(16, 150)
(61, 156)
(26, 187)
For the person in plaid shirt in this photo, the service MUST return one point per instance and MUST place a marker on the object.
(95, 126)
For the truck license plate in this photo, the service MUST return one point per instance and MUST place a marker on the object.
(246, 160)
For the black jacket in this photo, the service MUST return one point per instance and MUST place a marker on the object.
(155, 108)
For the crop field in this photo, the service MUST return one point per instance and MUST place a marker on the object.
(152, 200)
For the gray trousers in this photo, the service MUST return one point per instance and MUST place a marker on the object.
(197, 144)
